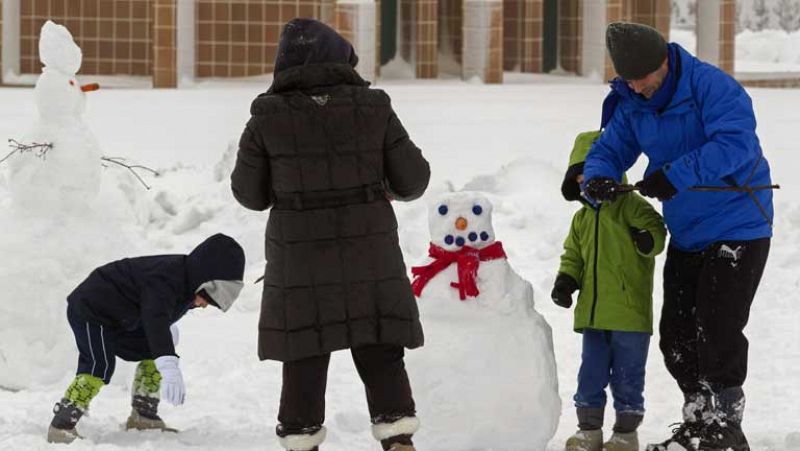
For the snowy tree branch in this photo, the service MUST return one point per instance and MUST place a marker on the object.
(130, 167)
(17, 147)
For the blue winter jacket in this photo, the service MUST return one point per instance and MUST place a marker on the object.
(705, 136)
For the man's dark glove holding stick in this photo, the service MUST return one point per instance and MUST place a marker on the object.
(562, 290)
(657, 185)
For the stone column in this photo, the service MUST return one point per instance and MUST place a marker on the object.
(593, 33)
(716, 33)
(165, 44)
(9, 38)
(355, 21)
(186, 43)
(483, 40)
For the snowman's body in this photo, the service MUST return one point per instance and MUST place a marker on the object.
(68, 175)
(486, 377)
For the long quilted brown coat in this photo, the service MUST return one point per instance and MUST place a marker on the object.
(323, 150)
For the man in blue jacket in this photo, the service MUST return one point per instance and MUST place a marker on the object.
(697, 127)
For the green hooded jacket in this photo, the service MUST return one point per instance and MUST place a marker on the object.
(615, 278)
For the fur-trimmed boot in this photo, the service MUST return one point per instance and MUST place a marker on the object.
(145, 399)
(589, 436)
(395, 433)
(71, 408)
(305, 439)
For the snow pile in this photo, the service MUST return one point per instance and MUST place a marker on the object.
(499, 349)
(772, 51)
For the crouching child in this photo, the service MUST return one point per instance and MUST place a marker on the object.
(609, 255)
(127, 309)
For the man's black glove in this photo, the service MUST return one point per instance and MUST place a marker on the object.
(657, 185)
(643, 240)
(562, 290)
(602, 189)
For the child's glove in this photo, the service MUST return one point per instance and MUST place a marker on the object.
(562, 290)
(643, 240)
(172, 388)
(602, 189)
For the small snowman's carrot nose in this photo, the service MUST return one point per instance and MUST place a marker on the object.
(90, 87)
(461, 223)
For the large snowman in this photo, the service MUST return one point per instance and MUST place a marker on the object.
(67, 175)
(61, 217)
(486, 377)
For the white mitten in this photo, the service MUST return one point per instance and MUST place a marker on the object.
(172, 388)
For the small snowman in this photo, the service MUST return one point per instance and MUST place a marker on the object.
(68, 174)
(486, 378)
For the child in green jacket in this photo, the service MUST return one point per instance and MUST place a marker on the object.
(609, 255)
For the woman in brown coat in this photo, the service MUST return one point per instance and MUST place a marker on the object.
(326, 153)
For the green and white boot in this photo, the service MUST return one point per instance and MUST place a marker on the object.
(585, 440)
(71, 408)
(145, 399)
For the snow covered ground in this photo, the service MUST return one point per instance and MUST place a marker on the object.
(510, 141)
(766, 51)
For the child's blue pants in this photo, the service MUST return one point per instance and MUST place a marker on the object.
(613, 358)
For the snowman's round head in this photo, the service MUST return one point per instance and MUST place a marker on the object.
(461, 219)
(58, 94)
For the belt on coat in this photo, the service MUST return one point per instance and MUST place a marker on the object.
(329, 199)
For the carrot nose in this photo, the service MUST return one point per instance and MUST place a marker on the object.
(461, 224)
(90, 87)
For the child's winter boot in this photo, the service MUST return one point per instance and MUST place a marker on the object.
(70, 409)
(696, 409)
(395, 432)
(301, 439)
(624, 437)
(590, 431)
(144, 412)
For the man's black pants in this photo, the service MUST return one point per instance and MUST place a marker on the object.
(707, 299)
(380, 367)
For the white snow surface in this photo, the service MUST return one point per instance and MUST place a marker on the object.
(511, 142)
(766, 51)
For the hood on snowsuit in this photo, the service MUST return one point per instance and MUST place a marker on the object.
(570, 188)
(216, 267)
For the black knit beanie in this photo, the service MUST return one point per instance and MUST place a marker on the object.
(309, 41)
(635, 49)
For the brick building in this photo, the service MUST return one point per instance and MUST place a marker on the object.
(170, 40)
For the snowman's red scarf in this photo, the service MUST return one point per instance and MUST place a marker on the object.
(468, 260)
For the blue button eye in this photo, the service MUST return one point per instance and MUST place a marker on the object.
(473, 236)
(484, 236)
(442, 210)
(477, 209)
(460, 241)
(449, 239)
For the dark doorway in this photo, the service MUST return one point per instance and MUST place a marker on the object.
(550, 35)
(388, 30)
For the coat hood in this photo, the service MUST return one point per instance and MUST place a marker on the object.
(583, 144)
(217, 266)
(308, 41)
